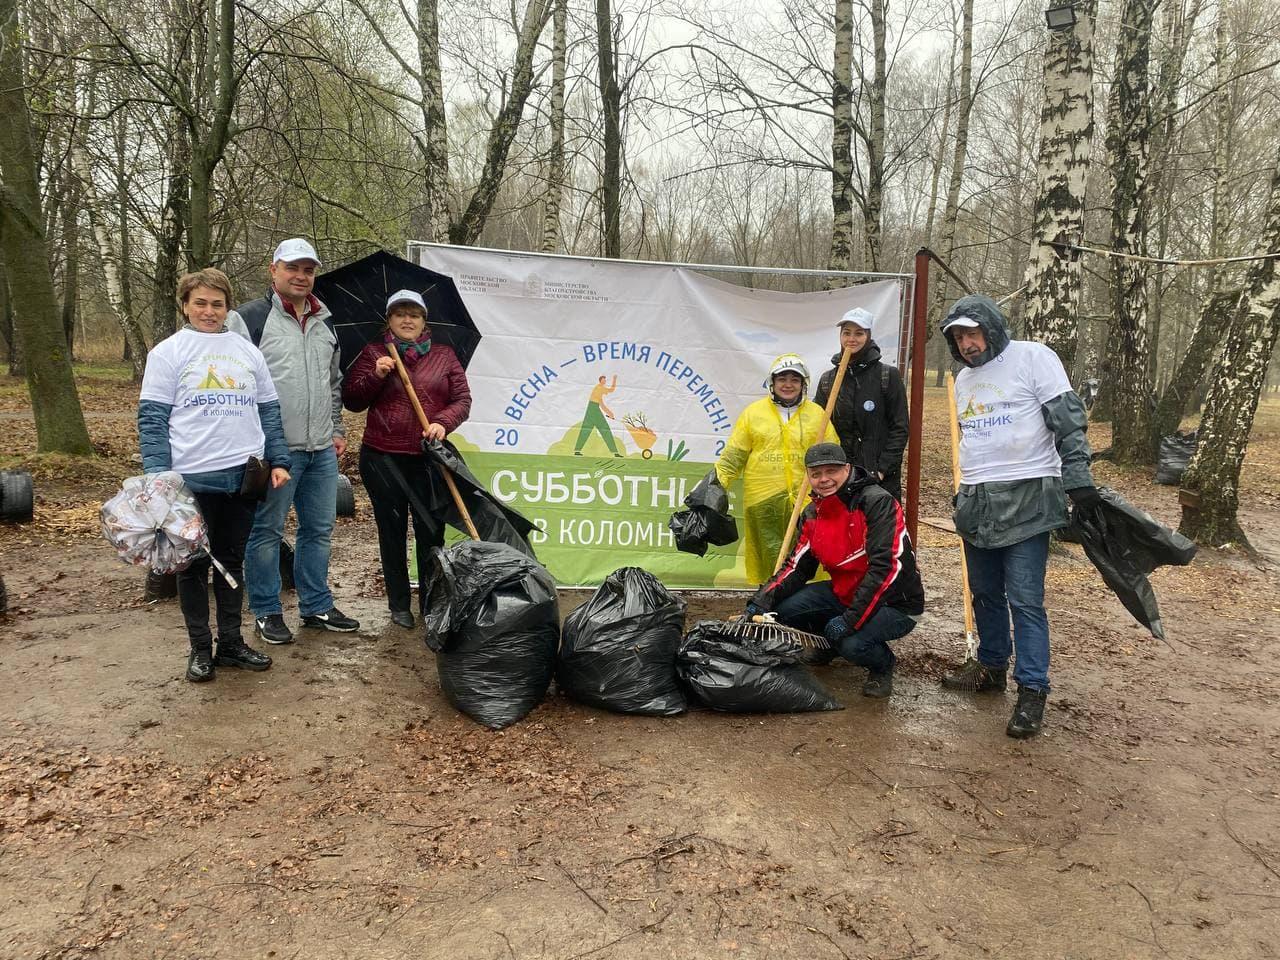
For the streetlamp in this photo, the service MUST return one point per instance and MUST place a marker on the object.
(1061, 16)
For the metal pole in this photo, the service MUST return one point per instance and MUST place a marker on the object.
(915, 434)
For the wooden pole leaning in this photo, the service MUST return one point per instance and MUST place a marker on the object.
(803, 494)
(970, 634)
(422, 419)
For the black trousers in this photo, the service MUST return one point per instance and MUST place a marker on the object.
(229, 517)
(400, 485)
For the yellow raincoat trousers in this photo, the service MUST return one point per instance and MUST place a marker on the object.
(767, 452)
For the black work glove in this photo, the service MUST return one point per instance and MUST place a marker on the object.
(752, 611)
(1085, 498)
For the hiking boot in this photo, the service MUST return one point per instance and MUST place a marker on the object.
(237, 653)
(334, 620)
(975, 677)
(402, 618)
(272, 629)
(200, 666)
(878, 685)
(1028, 715)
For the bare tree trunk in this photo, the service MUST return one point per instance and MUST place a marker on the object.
(1210, 487)
(1215, 318)
(1162, 165)
(556, 163)
(208, 146)
(173, 227)
(942, 152)
(871, 214)
(55, 402)
(1128, 123)
(109, 254)
(467, 230)
(611, 108)
(1052, 299)
(842, 139)
(964, 107)
(70, 217)
(6, 316)
(434, 123)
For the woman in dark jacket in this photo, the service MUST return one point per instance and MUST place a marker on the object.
(397, 475)
(871, 412)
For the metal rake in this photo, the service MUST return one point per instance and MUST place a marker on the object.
(768, 630)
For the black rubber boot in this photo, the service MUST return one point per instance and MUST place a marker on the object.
(200, 666)
(975, 677)
(402, 618)
(1028, 715)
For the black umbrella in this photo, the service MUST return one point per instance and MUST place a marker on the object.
(356, 295)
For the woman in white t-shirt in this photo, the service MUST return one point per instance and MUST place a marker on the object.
(207, 406)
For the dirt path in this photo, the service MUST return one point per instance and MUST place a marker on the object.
(337, 807)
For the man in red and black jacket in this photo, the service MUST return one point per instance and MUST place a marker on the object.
(855, 530)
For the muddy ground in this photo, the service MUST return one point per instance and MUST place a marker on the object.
(336, 806)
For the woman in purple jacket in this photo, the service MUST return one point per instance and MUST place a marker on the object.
(398, 476)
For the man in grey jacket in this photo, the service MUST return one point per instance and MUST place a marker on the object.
(1022, 446)
(291, 327)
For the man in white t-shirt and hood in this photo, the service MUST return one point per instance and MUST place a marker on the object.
(1022, 446)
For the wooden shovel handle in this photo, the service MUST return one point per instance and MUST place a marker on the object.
(802, 495)
(422, 419)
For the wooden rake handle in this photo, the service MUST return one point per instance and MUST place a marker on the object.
(802, 495)
(422, 419)
(954, 419)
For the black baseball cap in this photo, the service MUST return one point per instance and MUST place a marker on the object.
(825, 454)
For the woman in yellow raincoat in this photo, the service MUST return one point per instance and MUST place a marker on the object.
(766, 449)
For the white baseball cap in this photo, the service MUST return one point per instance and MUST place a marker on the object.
(405, 296)
(293, 249)
(857, 316)
(960, 321)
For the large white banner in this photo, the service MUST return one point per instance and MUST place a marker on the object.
(603, 390)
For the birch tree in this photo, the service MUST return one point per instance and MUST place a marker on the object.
(1210, 492)
(1052, 302)
(842, 191)
(556, 158)
(959, 152)
(1128, 126)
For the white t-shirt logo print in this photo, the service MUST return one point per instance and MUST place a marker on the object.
(1003, 433)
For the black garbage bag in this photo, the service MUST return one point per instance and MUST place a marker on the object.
(1126, 544)
(707, 521)
(619, 648)
(494, 520)
(738, 675)
(1176, 451)
(493, 620)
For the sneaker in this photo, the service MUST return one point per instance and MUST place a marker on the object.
(334, 620)
(1028, 715)
(200, 666)
(272, 629)
(402, 618)
(975, 677)
(237, 653)
(878, 685)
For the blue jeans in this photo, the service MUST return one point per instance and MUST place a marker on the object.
(813, 605)
(1011, 579)
(312, 490)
